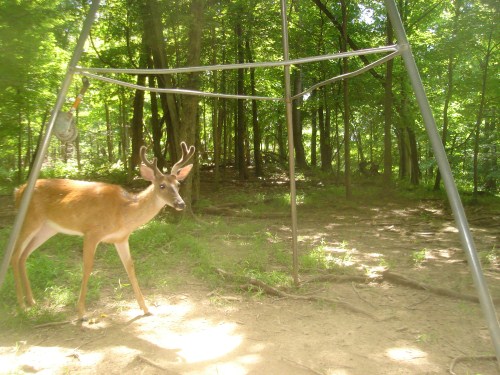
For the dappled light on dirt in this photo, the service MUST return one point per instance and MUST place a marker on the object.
(367, 303)
(199, 340)
(407, 354)
(174, 327)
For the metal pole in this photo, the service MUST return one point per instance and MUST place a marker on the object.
(269, 64)
(291, 157)
(444, 167)
(37, 165)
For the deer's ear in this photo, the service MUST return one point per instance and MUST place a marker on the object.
(183, 172)
(147, 173)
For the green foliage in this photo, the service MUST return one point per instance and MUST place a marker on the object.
(39, 37)
(418, 257)
(327, 257)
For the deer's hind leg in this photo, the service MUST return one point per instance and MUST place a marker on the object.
(89, 248)
(31, 237)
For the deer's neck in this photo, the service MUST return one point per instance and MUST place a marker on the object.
(143, 207)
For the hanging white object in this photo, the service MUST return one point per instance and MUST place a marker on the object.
(65, 124)
(65, 127)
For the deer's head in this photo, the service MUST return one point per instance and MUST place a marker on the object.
(166, 186)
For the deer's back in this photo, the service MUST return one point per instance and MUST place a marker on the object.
(75, 206)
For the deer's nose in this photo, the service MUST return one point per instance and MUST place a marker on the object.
(179, 206)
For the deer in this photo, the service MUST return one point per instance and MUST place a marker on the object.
(100, 212)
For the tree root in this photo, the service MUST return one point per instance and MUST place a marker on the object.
(158, 366)
(388, 276)
(250, 281)
(300, 365)
(469, 358)
(52, 324)
(396, 278)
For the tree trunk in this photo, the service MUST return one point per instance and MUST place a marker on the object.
(240, 111)
(153, 35)
(324, 133)
(388, 111)
(314, 130)
(345, 86)
(300, 156)
(340, 26)
(449, 87)
(109, 138)
(137, 122)
(414, 169)
(257, 136)
(156, 131)
(190, 108)
(480, 113)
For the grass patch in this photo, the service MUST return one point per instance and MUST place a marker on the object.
(326, 257)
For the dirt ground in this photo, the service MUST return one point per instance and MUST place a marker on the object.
(197, 330)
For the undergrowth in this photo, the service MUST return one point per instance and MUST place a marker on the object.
(168, 250)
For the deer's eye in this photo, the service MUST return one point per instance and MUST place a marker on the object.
(162, 186)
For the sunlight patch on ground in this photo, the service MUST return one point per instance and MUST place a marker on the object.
(406, 354)
(190, 340)
(198, 341)
(449, 229)
(444, 253)
(238, 366)
(40, 359)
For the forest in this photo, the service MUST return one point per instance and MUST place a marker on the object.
(381, 283)
(368, 125)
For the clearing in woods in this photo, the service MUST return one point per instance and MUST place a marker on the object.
(369, 302)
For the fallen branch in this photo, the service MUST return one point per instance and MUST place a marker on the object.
(300, 365)
(339, 279)
(403, 280)
(158, 366)
(52, 324)
(278, 293)
(465, 358)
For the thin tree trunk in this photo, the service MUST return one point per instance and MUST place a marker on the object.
(388, 102)
(480, 113)
(240, 120)
(314, 131)
(137, 125)
(109, 138)
(345, 86)
(257, 136)
(449, 87)
(300, 156)
(190, 109)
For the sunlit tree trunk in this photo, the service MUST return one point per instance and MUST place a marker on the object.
(449, 86)
(240, 111)
(300, 156)
(388, 103)
(190, 113)
(480, 112)
(345, 92)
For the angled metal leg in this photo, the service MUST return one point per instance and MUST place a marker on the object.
(451, 189)
(37, 165)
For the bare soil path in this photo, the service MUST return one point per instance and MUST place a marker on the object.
(198, 330)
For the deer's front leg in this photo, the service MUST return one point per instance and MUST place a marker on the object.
(124, 252)
(89, 248)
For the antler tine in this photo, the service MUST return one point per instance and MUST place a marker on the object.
(146, 162)
(186, 155)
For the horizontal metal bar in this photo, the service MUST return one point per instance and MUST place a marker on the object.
(176, 91)
(271, 64)
(349, 74)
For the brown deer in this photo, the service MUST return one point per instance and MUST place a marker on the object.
(99, 212)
